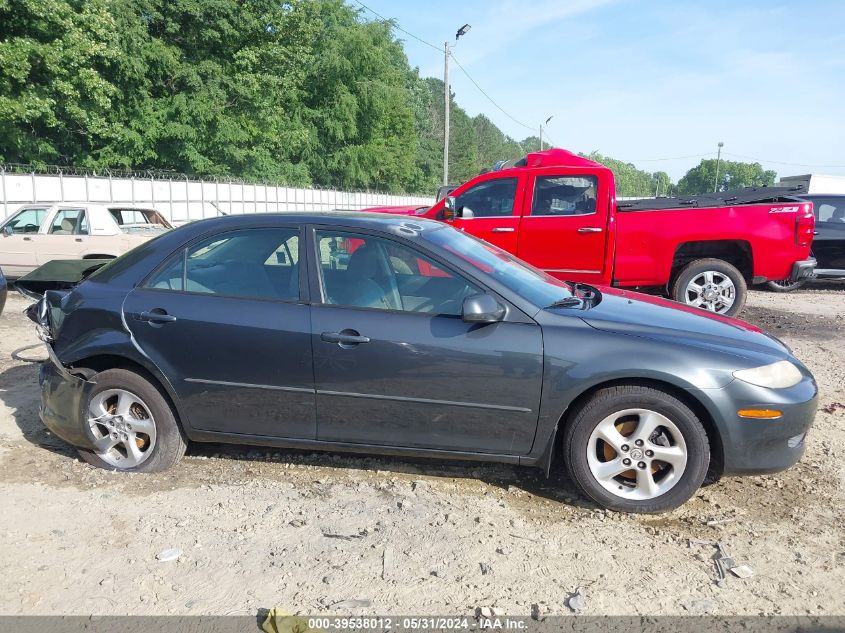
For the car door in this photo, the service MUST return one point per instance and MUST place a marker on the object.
(829, 241)
(225, 322)
(489, 209)
(65, 236)
(564, 228)
(394, 363)
(18, 239)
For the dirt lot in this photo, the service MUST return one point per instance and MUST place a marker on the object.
(302, 531)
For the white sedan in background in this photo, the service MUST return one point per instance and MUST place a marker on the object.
(41, 232)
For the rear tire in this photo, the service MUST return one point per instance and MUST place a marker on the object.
(785, 285)
(136, 427)
(646, 483)
(725, 279)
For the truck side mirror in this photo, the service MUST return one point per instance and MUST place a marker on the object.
(449, 208)
(482, 308)
(8, 230)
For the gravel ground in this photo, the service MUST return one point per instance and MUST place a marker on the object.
(308, 531)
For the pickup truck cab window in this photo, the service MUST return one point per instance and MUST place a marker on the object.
(365, 271)
(492, 198)
(564, 195)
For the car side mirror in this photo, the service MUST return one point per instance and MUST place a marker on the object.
(8, 230)
(482, 308)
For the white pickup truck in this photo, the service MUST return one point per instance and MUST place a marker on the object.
(38, 233)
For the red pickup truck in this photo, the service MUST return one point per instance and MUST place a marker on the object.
(559, 212)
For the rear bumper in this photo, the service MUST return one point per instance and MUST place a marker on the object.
(763, 446)
(805, 269)
(63, 398)
(830, 273)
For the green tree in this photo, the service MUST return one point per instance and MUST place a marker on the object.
(55, 95)
(732, 175)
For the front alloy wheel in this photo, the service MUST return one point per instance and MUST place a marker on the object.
(637, 454)
(636, 448)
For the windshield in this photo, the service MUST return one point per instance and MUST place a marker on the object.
(521, 278)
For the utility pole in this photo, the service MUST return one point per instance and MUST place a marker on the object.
(541, 131)
(447, 98)
(718, 160)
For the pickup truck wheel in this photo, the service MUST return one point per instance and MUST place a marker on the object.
(785, 285)
(633, 448)
(131, 425)
(711, 284)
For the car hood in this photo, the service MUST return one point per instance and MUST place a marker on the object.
(58, 274)
(636, 314)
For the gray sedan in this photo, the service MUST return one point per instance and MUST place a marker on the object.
(383, 335)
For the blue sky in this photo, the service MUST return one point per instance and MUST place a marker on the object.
(641, 80)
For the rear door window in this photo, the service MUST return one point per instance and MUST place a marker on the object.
(252, 263)
(564, 195)
(69, 222)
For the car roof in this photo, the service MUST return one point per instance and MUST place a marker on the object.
(345, 218)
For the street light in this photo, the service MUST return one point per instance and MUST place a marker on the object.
(541, 131)
(718, 160)
(446, 100)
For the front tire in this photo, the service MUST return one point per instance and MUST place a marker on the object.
(636, 449)
(711, 284)
(131, 424)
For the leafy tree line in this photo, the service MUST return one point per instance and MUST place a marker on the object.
(297, 92)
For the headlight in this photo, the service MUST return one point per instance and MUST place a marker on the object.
(779, 375)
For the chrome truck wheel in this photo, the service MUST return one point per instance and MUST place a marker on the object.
(713, 285)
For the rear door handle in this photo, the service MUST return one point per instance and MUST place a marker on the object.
(156, 316)
(346, 337)
(503, 229)
(589, 229)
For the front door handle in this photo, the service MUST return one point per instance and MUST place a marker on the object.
(27, 239)
(344, 337)
(503, 229)
(78, 239)
(157, 315)
(589, 229)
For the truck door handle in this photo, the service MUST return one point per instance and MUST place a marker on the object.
(27, 239)
(346, 337)
(78, 239)
(589, 229)
(157, 315)
(503, 229)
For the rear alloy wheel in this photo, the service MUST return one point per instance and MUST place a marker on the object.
(711, 284)
(785, 285)
(636, 449)
(130, 424)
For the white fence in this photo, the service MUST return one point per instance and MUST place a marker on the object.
(182, 200)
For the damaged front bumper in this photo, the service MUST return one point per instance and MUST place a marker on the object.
(63, 401)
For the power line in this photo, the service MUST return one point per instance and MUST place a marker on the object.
(490, 99)
(778, 162)
(652, 160)
(395, 25)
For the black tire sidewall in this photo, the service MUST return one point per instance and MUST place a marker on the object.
(613, 399)
(720, 266)
(170, 443)
(774, 287)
